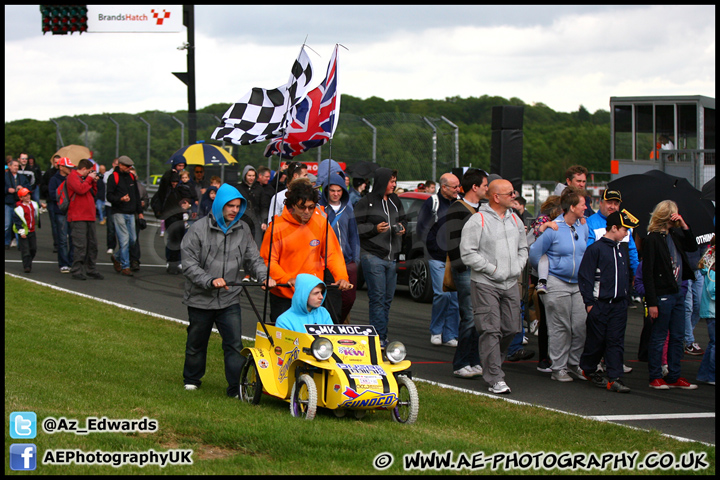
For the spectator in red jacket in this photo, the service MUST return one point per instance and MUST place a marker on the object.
(82, 189)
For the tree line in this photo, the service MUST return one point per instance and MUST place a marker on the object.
(552, 140)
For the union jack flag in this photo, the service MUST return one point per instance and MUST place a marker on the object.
(315, 119)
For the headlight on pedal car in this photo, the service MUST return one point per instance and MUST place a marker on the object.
(395, 352)
(322, 348)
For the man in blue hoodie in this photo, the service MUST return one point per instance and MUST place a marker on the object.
(341, 217)
(306, 306)
(214, 251)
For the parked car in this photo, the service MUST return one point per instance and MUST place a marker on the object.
(412, 266)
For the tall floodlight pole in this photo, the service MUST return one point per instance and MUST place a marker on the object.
(188, 78)
(117, 137)
(457, 141)
(434, 148)
(58, 136)
(374, 130)
(147, 180)
(182, 131)
(86, 131)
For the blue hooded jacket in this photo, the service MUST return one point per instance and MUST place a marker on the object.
(342, 221)
(298, 315)
(225, 194)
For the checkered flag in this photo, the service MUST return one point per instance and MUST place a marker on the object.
(262, 114)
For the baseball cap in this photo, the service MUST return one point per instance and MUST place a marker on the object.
(125, 160)
(22, 191)
(622, 219)
(65, 162)
(612, 195)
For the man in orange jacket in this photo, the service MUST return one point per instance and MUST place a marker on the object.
(298, 246)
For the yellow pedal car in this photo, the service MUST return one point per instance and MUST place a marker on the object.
(339, 367)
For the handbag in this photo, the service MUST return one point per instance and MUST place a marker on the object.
(448, 281)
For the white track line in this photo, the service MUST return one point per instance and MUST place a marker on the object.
(652, 416)
(600, 418)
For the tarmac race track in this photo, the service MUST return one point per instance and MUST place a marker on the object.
(680, 413)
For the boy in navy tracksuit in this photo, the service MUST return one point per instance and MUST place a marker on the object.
(604, 284)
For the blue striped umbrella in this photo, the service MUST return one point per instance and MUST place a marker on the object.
(203, 154)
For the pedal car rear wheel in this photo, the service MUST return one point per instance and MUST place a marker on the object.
(406, 410)
(303, 399)
(250, 384)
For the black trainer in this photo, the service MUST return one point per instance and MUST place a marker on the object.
(617, 386)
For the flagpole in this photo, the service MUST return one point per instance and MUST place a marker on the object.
(277, 184)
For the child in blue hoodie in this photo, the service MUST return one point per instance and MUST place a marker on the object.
(306, 306)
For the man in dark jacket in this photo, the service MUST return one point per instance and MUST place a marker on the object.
(466, 362)
(445, 316)
(124, 196)
(604, 282)
(381, 224)
(45, 195)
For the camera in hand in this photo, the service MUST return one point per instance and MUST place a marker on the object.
(397, 228)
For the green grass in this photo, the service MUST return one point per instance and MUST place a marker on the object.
(67, 356)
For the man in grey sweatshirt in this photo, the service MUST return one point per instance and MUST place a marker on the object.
(494, 247)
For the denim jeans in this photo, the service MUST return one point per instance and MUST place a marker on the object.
(671, 317)
(445, 316)
(707, 366)
(9, 234)
(100, 208)
(381, 278)
(692, 306)
(125, 230)
(65, 247)
(466, 353)
(229, 324)
(111, 235)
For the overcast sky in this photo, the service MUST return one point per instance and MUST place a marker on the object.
(562, 56)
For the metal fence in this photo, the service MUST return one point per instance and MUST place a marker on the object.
(418, 147)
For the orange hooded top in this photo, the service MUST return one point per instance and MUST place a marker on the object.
(299, 248)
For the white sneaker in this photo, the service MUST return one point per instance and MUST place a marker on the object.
(190, 387)
(534, 327)
(577, 372)
(162, 234)
(499, 387)
(665, 370)
(477, 369)
(64, 269)
(626, 369)
(525, 341)
(13, 243)
(451, 343)
(561, 376)
(465, 372)
(436, 339)
(110, 251)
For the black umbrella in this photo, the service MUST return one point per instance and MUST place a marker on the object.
(362, 169)
(640, 194)
(708, 190)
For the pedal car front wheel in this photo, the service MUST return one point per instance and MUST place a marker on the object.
(303, 399)
(406, 410)
(250, 384)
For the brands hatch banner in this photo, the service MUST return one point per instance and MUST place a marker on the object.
(135, 18)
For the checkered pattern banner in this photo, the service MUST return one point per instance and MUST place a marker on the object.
(314, 120)
(262, 114)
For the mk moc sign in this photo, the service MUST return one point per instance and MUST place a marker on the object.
(135, 18)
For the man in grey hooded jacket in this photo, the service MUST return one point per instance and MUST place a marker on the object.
(493, 245)
(214, 251)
